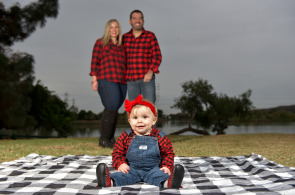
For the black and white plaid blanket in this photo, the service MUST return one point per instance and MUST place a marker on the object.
(40, 174)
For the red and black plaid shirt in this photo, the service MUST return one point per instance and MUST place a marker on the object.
(108, 62)
(123, 143)
(143, 54)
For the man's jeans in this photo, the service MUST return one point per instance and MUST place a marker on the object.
(147, 90)
(112, 94)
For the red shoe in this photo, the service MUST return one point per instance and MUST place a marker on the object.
(103, 176)
(176, 177)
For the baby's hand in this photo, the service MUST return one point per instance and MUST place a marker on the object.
(166, 170)
(124, 168)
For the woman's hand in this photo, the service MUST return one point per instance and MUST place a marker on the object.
(94, 85)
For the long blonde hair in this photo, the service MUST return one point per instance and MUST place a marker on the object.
(105, 39)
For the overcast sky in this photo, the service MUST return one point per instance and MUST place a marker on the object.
(234, 45)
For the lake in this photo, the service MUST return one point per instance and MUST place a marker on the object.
(92, 130)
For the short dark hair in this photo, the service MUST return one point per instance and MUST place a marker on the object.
(136, 11)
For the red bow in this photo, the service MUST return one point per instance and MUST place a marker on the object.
(129, 104)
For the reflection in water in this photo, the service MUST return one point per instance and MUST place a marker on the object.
(288, 128)
(28, 133)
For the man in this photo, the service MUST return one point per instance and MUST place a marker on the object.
(143, 59)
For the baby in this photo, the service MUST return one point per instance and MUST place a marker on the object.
(142, 153)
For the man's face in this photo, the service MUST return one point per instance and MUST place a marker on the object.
(136, 21)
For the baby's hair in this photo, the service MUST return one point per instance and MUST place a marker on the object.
(139, 105)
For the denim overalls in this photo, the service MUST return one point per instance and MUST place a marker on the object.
(143, 157)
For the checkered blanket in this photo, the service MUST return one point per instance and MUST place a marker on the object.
(40, 174)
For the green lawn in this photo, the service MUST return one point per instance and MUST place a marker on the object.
(276, 147)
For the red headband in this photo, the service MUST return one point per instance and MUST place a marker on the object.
(129, 104)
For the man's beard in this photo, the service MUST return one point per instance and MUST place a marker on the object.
(140, 27)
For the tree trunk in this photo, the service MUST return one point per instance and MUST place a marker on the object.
(220, 132)
(192, 130)
(191, 120)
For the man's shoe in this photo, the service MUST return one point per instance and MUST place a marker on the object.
(103, 176)
(176, 177)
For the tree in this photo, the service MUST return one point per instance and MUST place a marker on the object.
(16, 69)
(91, 116)
(16, 78)
(82, 115)
(49, 111)
(196, 99)
(225, 108)
(209, 110)
(160, 113)
(18, 23)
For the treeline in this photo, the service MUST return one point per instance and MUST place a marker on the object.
(25, 105)
(89, 115)
(84, 115)
(270, 115)
(277, 114)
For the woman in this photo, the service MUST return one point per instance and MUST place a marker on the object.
(108, 73)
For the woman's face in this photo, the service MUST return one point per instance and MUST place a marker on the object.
(114, 30)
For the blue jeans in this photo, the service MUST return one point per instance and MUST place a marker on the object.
(112, 94)
(147, 90)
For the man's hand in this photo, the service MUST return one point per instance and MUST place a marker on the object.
(148, 76)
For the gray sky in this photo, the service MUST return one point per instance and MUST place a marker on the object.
(235, 45)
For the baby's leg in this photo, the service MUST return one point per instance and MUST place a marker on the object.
(122, 179)
(156, 177)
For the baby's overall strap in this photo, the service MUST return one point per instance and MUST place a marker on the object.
(128, 131)
(162, 134)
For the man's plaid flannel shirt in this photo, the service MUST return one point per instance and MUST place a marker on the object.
(143, 54)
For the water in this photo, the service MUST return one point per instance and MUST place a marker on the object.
(286, 128)
(92, 130)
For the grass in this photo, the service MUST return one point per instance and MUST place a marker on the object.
(275, 147)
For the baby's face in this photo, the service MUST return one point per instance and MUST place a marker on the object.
(142, 119)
